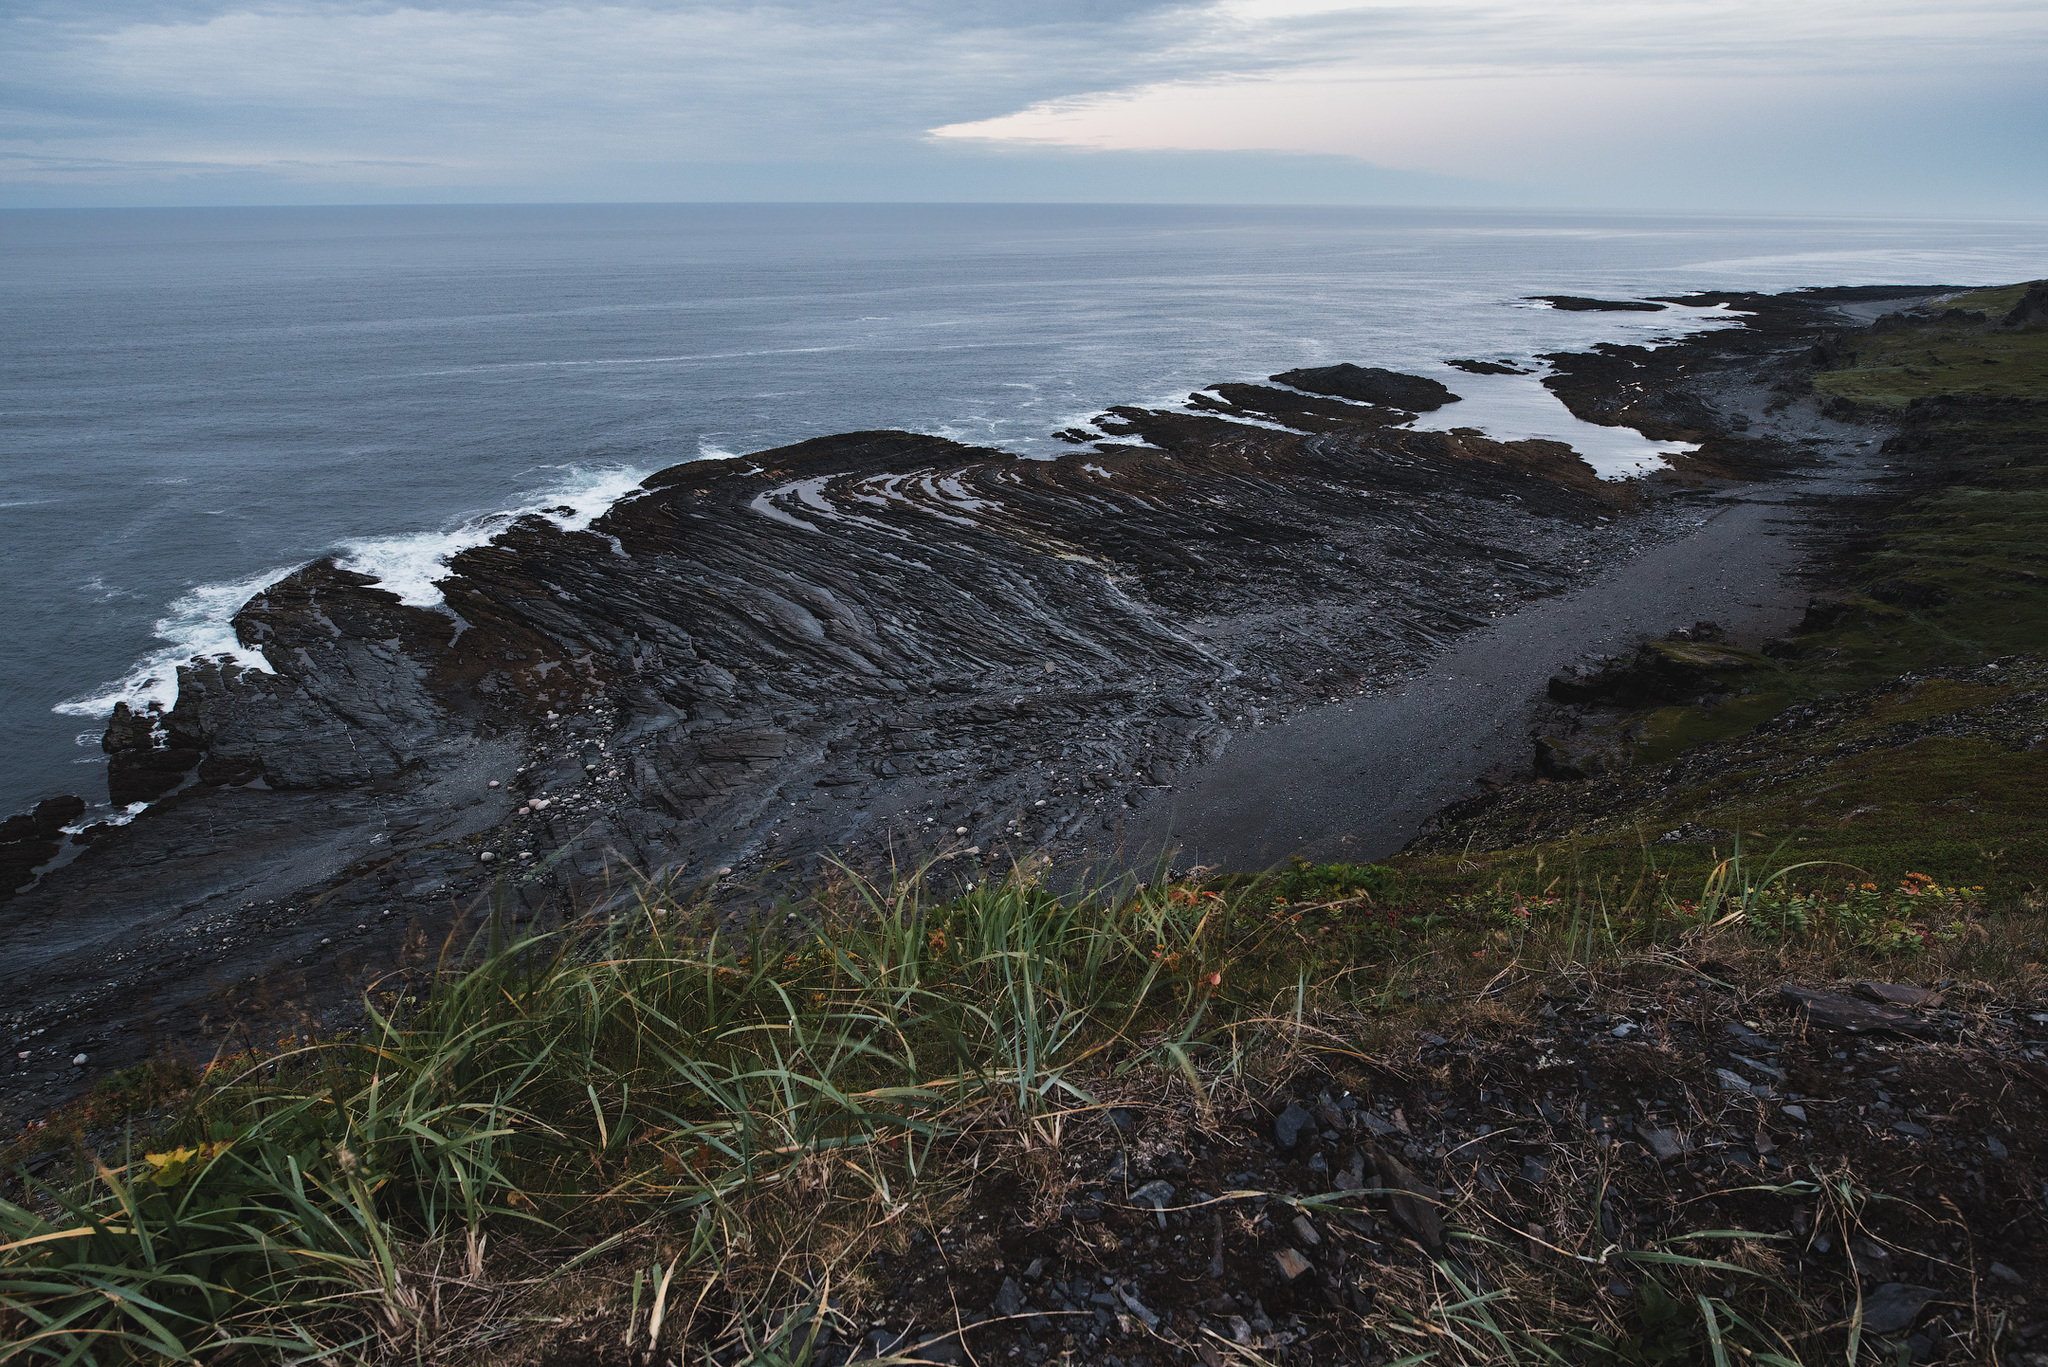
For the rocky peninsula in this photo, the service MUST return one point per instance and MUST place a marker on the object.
(875, 646)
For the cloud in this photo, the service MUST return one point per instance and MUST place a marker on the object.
(509, 86)
(1573, 101)
(1522, 92)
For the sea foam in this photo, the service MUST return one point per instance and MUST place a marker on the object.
(200, 621)
(410, 565)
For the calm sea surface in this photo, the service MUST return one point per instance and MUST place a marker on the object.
(192, 401)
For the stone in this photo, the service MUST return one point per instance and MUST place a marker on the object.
(1666, 1144)
(1894, 1306)
(1899, 994)
(1292, 1123)
(2006, 1274)
(1413, 1204)
(1797, 1113)
(1010, 1298)
(1156, 1194)
(1290, 1262)
(741, 628)
(1748, 1038)
(1832, 1011)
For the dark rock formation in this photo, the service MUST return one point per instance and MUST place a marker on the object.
(29, 841)
(146, 757)
(1369, 384)
(2032, 309)
(1573, 303)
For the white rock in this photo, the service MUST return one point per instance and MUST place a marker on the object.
(724, 872)
(959, 830)
(494, 783)
(487, 856)
(78, 1060)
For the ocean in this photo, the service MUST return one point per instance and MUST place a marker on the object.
(197, 400)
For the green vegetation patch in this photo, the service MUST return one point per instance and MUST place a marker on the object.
(1891, 369)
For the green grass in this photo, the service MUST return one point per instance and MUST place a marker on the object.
(1995, 302)
(733, 1120)
(1891, 369)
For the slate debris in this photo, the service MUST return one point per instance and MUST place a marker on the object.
(1894, 1306)
(1833, 1011)
(1292, 1123)
(1287, 1281)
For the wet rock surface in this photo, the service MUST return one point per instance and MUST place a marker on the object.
(874, 643)
(33, 839)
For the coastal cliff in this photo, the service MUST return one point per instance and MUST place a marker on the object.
(876, 644)
(1577, 1044)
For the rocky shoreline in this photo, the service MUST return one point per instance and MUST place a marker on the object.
(879, 645)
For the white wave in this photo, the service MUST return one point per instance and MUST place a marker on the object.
(409, 565)
(200, 622)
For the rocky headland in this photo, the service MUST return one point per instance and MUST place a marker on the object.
(878, 646)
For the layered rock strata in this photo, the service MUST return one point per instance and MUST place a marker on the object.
(877, 644)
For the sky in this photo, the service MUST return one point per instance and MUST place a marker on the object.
(1834, 106)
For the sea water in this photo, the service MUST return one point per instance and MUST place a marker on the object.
(197, 400)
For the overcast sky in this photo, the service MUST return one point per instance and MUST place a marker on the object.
(1873, 106)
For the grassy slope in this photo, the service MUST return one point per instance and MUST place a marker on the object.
(1853, 750)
